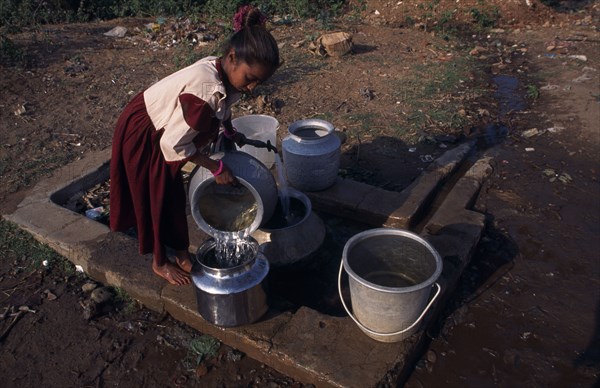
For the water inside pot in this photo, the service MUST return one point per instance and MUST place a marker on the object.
(311, 132)
(282, 219)
(228, 208)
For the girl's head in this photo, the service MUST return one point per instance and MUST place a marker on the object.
(251, 55)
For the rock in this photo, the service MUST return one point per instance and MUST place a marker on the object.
(117, 32)
(530, 132)
(90, 309)
(431, 356)
(335, 44)
(477, 51)
(88, 287)
(101, 295)
(49, 295)
(201, 370)
(234, 355)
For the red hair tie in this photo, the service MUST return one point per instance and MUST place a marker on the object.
(239, 19)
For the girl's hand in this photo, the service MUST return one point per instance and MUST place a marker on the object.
(239, 139)
(225, 177)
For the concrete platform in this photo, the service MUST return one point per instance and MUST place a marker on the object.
(310, 346)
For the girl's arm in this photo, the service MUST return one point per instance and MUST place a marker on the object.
(223, 175)
(232, 134)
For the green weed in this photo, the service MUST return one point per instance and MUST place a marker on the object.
(533, 92)
(429, 94)
(200, 348)
(10, 54)
(22, 248)
(124, 299)
(485, 19)
(364, 121)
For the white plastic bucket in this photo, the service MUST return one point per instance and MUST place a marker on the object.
(258, 127)
(391, 273)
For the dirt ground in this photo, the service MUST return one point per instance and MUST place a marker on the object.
(527, 310)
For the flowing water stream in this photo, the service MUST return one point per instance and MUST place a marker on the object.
(231, 212)
(233, 248)
(283, 191)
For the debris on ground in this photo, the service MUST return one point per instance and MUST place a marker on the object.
(117, 32)
(334, 44)
(530, 132)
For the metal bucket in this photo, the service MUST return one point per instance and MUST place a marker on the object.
(391, 273)
(230, 296)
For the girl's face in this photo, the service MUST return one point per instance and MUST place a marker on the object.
(242, 76)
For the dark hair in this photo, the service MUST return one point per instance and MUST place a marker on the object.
(253, 43)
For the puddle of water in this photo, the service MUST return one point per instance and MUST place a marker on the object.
(510, 100)
(508, 96)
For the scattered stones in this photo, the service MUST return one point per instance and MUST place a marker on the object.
(234, 355)
(431, 356)
(117, 32)
(90, 309)
(556, 129)
(101, 295)
(49, 295)
(530, 132)
(478, 50)
(21, 110)
(88, 287)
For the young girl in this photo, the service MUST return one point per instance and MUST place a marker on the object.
(171, 123)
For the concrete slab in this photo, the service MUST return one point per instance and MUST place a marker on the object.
(371, 205)
(308, 345)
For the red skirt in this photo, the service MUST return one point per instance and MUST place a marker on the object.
(146, 192)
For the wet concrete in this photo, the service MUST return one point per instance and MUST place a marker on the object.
(304, 335)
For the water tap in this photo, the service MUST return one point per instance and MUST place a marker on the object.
(260, 144)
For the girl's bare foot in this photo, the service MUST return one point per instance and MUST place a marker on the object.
(172, 274)
(184, 260)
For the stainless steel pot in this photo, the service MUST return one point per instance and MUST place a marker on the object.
(230, 296)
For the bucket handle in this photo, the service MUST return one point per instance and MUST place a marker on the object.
(439, 288)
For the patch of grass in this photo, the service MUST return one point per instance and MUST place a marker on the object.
(431, 94)
(485, 18)
(363, 121)
(19, 245)
(199, 348)
(10, 54)
(124, 299)
(532, 92)
(357, 8)
(327, 116)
